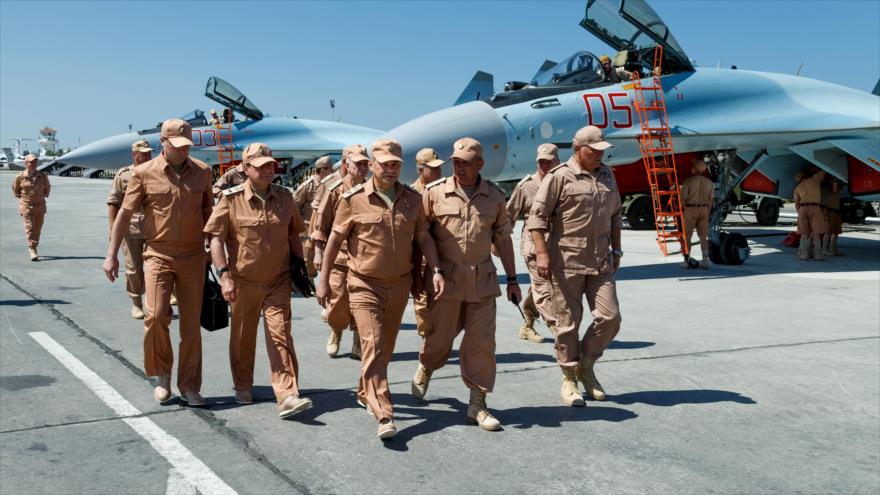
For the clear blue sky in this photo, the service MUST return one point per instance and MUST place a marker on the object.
(91, 68)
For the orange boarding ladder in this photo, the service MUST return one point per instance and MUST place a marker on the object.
(655, 142)
(225, 148)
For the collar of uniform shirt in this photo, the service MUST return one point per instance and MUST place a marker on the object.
(453, 187)
(250, 192)
(370, 187)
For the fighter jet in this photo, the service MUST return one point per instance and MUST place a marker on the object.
(768, 126)
(290, 138)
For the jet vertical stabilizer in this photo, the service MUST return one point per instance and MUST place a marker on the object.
(876, 88)
(481, 87)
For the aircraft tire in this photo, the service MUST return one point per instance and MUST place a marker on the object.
(767, 212)
(731, 248)
(716, 254)
(640, 213)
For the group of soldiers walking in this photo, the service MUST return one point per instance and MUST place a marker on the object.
(373, 243)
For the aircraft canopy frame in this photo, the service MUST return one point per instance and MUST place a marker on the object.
(229, 96)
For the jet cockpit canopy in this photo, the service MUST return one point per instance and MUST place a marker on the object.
(580, 68)
(634, 26)
(229, 96)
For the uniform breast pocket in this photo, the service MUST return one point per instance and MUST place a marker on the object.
(448, 220)
(573, 250)
(251, 229)
(191, 194)
(485, 216)
(160, 195)
(369, 226)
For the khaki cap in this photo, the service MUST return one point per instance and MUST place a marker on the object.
(428, 157)
(141, 146)
(467, 149)
(387, 150)
(179, 132)
(591, 136)
(548, 151)
(30, 157)
(324, 162)
(355, 153)
(257, 155)
(604, 58)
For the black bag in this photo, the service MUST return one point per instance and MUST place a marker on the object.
(299, 275)
(215, 312)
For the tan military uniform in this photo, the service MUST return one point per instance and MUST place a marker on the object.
(257, 235)
(31, 192)
(339, 310)
(465, 229)
(696, 197)
(537, 301)
(320, 190)
(833, 220)
(380, 239)
(807, 196)
(580, 209)
(175, 211)
(421, 304)
(133, 243)
(302, 200)
(231, 178)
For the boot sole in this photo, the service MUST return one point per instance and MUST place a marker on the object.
(575, 403)
(305, 406)
(388, 434)
(474, 421)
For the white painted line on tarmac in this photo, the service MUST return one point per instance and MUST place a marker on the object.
(177, 484)
(193, 470)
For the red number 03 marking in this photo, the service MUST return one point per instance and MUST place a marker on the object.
(619, 103)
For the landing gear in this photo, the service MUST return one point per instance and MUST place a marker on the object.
(767, 212)
(726, 248)
(640, 213)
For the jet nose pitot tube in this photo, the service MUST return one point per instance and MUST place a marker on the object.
(439, 130)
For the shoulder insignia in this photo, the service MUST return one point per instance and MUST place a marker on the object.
(557, 167)
(496, 186)
(123, 169)
(329, 178)
(435, 183)
(334, 185)
(411, 188)
(282, 189)
(354, 190)
(233, 190)
(525, 179)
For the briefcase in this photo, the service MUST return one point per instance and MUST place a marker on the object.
(215, 312)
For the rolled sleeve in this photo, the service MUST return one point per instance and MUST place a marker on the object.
(322, 219)
(134, 194)
(16, 186)
(48, 185)
(297, 225)
(515, 207)
(617, 206)
(501, 228)
(116, 192)
(544, 204)
(344, 220)
(218, 223)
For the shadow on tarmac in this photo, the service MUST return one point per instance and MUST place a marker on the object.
(666, 398)
(30, 302)
(508, 358)
(53, 258)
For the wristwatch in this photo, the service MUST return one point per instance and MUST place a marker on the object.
(511, 280)
(221, 271)
(618, 253)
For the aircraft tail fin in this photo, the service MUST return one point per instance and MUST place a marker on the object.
(876, 88)
(547, 65)
(481, 87)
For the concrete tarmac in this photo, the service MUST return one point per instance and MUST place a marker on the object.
(759, 378)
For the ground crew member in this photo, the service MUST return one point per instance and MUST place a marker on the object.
(302, 199)
(833, 221)
(537, 301)
(259, 226)
(174, 191)
(467, 215)
(811, 221)
(612, 74)
(233, 177)
(338, 311)
(133, 243)
(379, 219)
(31, 187)
(580, 204)
(696, 196)
(215, 119)
(430, 168)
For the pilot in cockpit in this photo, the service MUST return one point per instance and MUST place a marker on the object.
(612, 74)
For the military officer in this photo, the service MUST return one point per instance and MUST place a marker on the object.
(133, 243)
(379, 219)
(302, 199)
(579, 203)
(467, 215)
(338, 311)
(174, 191)
(259, 226)
(537, 301)
(233, 177)
(811, 221)
(429, 166)
(696, 197)
(31, 187)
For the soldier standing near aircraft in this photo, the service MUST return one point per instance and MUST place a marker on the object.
(302, 199)
(429, 166)
(259, 224)
(338, 311)
(811, 222)
(31, 187)
(467, 215)
(833, 223)
(174, 191)
(537, 301)
(696, 196)
(233, 177)
(379, 219)
(580, 204)
(133, 244)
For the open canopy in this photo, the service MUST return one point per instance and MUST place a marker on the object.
(633, 25)
(227, 95)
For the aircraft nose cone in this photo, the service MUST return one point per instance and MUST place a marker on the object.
(108, 153)
(440, 129)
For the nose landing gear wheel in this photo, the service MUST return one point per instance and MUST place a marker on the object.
(732, 249)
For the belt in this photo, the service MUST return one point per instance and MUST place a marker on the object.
(809, 204)
(689, 205)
